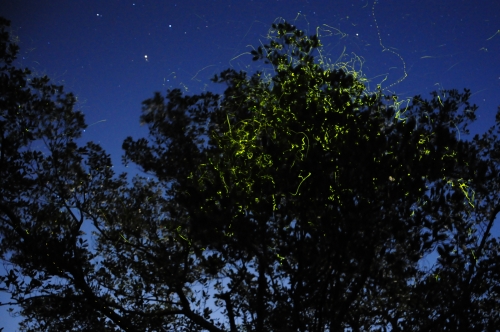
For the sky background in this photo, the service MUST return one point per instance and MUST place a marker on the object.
(114, 54)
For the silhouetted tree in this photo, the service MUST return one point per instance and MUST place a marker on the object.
(48, 185)
(296, 201)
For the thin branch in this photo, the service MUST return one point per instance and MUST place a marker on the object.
(230, 310)
(488, 228)
(197, 319)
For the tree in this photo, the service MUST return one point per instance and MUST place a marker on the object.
(48, 183)
(297, 201)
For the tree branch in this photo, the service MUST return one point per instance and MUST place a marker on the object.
(230, 311)
(197, 319)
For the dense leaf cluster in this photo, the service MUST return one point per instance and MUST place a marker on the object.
(298, 201)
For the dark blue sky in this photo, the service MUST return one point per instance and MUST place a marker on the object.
(114, 54)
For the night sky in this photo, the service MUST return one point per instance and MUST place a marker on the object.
(114, 54)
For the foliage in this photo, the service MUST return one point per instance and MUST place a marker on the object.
(48, 185)
(296, 202)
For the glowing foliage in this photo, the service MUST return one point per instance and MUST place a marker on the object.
(317, 184)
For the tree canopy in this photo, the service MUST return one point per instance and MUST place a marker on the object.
(296, 201)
